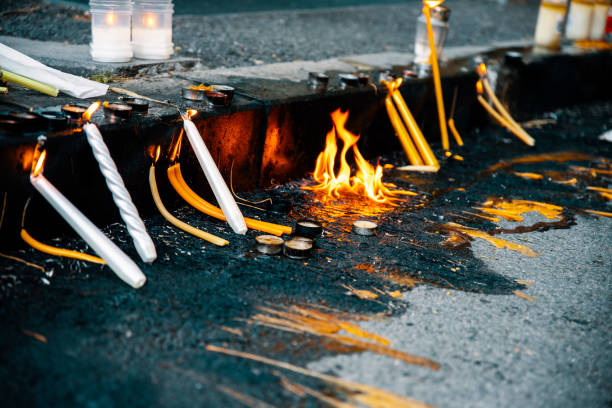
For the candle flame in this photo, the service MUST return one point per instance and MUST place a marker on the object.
(157, 153)
(110, 19)
(150, 21)
(482, 69)
(479, 87)
(191, 113)
(432, 3)
(91, 110)
(176, 148)
(39, 162)
(367, 180)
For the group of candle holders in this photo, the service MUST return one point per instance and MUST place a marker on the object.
(584, 20)
(122, 30)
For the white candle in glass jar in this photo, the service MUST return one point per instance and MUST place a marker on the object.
(579, 20)
(152, 35)
(599, 20)
(550, 24)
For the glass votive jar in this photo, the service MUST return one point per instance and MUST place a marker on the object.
(551, 18)
(439, 22)
(600, 18)
(579, 20)
(111, 30)
(152, 29)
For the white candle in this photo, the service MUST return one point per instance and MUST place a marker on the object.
(219, 187)
(550, 23)
(136, 228)
(579, 20)
(600, 18)
(118, 261)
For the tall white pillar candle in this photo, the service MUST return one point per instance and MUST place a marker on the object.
(219, 187)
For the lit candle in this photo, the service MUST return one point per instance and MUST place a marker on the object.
(135, 226)
(579, 19)
(550, 23)
(215, 180)
(118, 261)
(152, 29)
(111, 32)
(429, 4)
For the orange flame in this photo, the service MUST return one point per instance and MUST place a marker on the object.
(39, 163)
(482, 69)
(479, 87)
(432, 3)
(367, 180)
(191, 113)
(91, 110)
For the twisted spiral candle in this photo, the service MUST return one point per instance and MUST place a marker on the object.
(136, 228)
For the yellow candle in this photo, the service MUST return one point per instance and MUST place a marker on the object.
(180, 186)
(501, 120)
(175, 221)
(66, 253)
(29, 83)
(502, 110)
(453, 129)
(436, 78)
(415, 131)
(402, 133)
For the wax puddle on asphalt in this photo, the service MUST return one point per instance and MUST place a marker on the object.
(493, 347)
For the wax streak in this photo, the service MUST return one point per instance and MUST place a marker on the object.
(176, 179)
(175, 221)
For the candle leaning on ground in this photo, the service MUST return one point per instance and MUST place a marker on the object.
(66, 253)
(215, 180)
(118, 261)
(436, 76)
(213, 239)
(180, 186)
(455, 132)
(29, 83)
(419, 139)
(135, 226)
(402, 133)
(502, 121)
(504, 112)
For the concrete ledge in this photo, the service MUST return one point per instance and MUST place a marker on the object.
(75, 59)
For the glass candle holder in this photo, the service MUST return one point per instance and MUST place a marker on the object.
(110, 30)
(439, 22)
(549, 27)
(579, 20)
(600, 18)
(152, 29)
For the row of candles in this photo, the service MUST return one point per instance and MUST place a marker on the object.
(124, 267)
(121, 30)
(586, 20)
